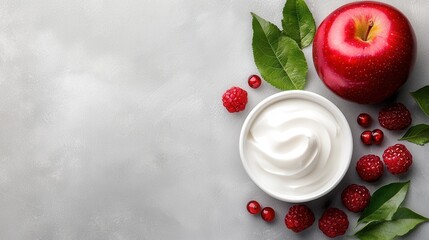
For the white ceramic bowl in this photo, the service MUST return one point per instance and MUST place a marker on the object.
(296, 145)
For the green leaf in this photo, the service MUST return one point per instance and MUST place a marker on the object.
(403, 221)
(418, 134)
(422, 98)
(384, 202)
(278, 58)
(298, 22)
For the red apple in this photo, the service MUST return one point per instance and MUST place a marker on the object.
(364, 51)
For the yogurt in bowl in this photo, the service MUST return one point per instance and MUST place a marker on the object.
(296, 145)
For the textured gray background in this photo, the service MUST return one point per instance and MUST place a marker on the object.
(112, 125)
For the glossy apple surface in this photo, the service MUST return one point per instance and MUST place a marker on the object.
(364, 51)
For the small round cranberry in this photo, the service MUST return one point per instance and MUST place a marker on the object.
(364, 119)
(377, 136)
(253, 207)
(254, 81)
(366, 137)
(268, 214)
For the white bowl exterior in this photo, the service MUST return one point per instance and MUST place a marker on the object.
(329, 106)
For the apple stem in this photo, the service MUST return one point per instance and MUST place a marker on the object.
(370, 25)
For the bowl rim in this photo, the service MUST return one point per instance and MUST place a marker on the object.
(307, 95)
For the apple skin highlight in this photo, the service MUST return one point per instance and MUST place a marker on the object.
(364, 51)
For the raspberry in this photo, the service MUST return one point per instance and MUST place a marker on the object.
(369, 168)
(334, 222)
(234, 99)
(299, 217)
(355, 197)
(395, 117)
(397, 159)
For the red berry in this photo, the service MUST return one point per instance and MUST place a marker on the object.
(369, 168)
(355, 197)
(366, 137)
(253, 207)
(268, 214)
(234, 99)
(334, 222)
(299, 217)
(364, 119)
(377, 136)
(397, 159)
(254, 81)
(395, 117)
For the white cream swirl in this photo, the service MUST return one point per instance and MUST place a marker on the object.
(294, 146)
